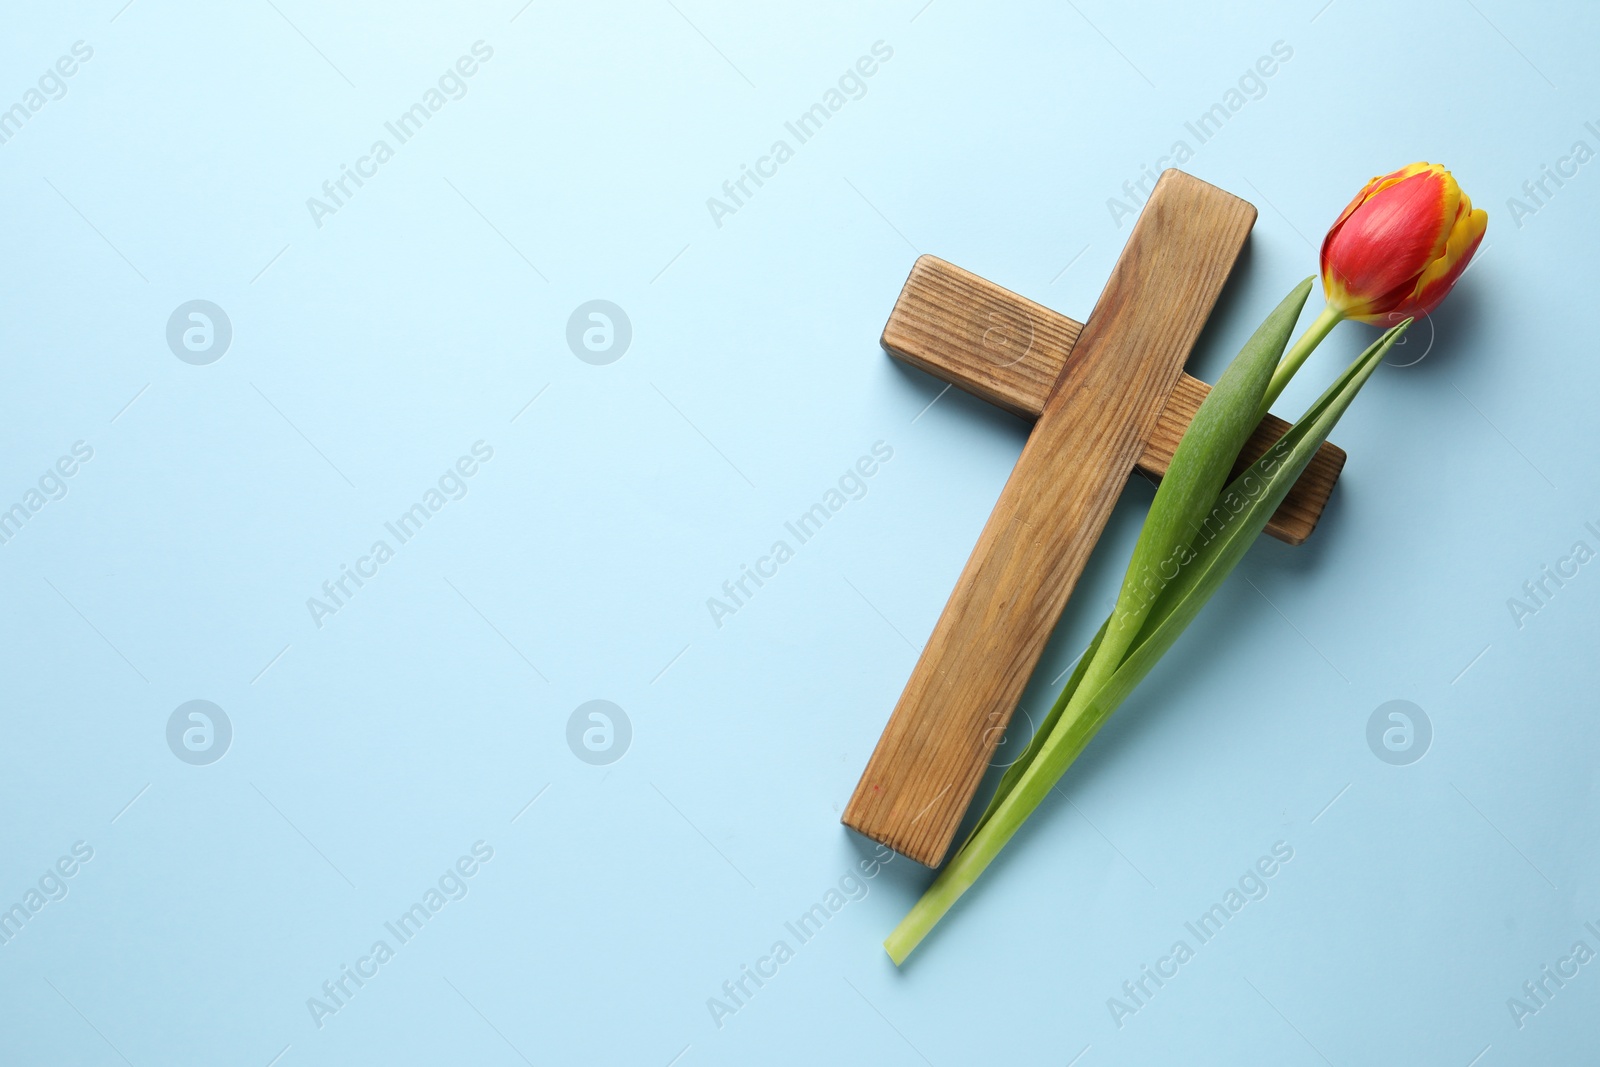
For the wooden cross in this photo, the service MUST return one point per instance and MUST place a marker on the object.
(1106, 397)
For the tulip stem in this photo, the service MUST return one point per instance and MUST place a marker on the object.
(1325, 322)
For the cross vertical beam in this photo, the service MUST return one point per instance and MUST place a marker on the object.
(1092, 430)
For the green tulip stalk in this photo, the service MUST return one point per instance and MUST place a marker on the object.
(1199, 527)
(1393, 254)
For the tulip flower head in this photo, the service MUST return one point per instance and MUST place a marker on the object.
(1398, 248)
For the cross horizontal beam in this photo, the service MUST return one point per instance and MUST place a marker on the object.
(1010, 351)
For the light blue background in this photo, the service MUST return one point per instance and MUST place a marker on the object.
(368, 354)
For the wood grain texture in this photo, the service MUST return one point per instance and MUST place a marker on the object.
(1009, 351)
(1089, 435)
(969, 332)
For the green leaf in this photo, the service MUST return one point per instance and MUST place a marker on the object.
(1258, 491)
(1199, 467)
(1198, 470)
(1013, 774)
(1203, 458)
(1228, 532)
(1246, 506)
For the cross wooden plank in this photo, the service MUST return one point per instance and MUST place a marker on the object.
(1107, 397)
(1006, 349)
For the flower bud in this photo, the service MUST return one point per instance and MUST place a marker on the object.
(1398, 248)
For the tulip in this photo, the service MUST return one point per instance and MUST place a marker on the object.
(1400, 245)
(1394, 253)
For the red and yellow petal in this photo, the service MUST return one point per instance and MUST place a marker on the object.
(1398, 248)
(1384, 241)
(1381, 182)
(1440, 276)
